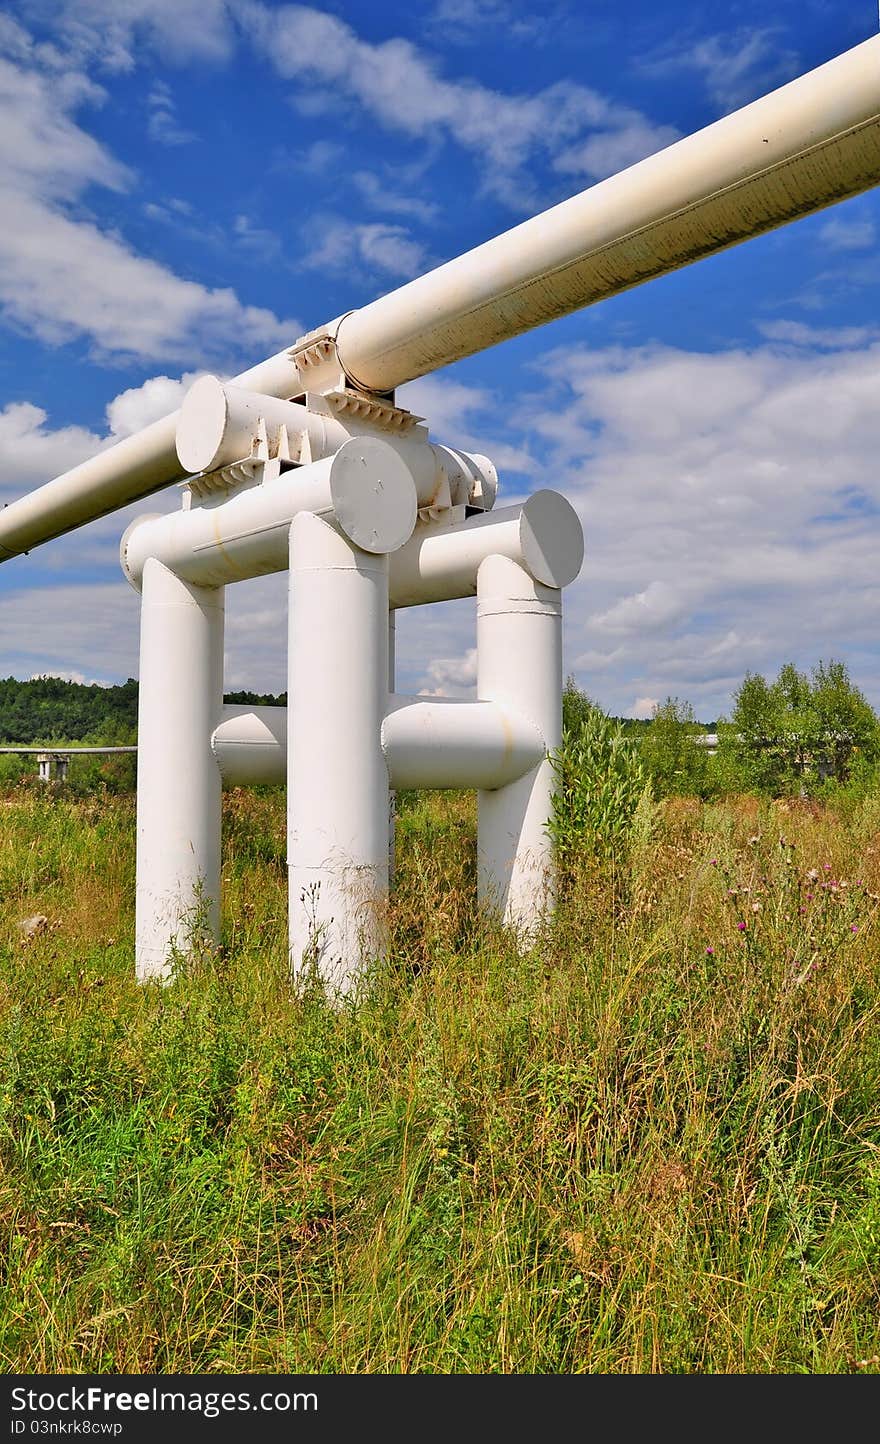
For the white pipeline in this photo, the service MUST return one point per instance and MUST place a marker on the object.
(804, 146)
(132, 468)
(178, 791)
(337, 787)
(220, 424)
(250, 745)
(519, 665)
(437, 742)
(367, 487)
(811, 143)
(427, 742)
(440, 562)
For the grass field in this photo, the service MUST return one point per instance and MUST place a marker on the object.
(650, 1142)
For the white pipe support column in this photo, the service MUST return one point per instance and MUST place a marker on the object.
(178, 793)
(519, 664)
(337, 788)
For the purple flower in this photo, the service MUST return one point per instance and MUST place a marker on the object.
(854, 928)
(710, 952)
(741, 927)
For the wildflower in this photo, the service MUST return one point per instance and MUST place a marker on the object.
(753, 840)
(854, 928)
(741, 927)
(827, 866)
(756, 907)
(713, 862)
(710, 952)
(812, 875)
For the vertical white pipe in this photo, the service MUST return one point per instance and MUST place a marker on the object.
(178, 798)
(519, 662)
(337, 780)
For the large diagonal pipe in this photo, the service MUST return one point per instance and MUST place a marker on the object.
(807, 145)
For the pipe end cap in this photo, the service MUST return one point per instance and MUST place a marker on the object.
(201, 425)
(374, 494)
(552, 539)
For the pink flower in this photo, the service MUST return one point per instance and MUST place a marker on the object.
(741, 927)
(854, 928)
(710, 952)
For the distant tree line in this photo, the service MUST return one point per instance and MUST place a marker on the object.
(800, 734)
(49, 709)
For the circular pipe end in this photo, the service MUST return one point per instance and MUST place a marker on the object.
(552, 539)
(201, 426)
(131, 561)
(374, 494)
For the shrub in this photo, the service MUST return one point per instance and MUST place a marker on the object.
(600, 782)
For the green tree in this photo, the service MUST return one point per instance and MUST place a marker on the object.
(677, 763)
(600, 783)
(844, 723)
(800, 729)
(577, 709)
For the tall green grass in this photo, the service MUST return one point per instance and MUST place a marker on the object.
(648, 1142)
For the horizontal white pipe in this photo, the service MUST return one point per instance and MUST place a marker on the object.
(427, 742)
(803, 147)
(366, 487)
(806, 145)
(132, 468)
(250, 744)
(220, 424)
(440, 562)
(438, 742)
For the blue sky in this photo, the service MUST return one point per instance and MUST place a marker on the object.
(188, 185)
